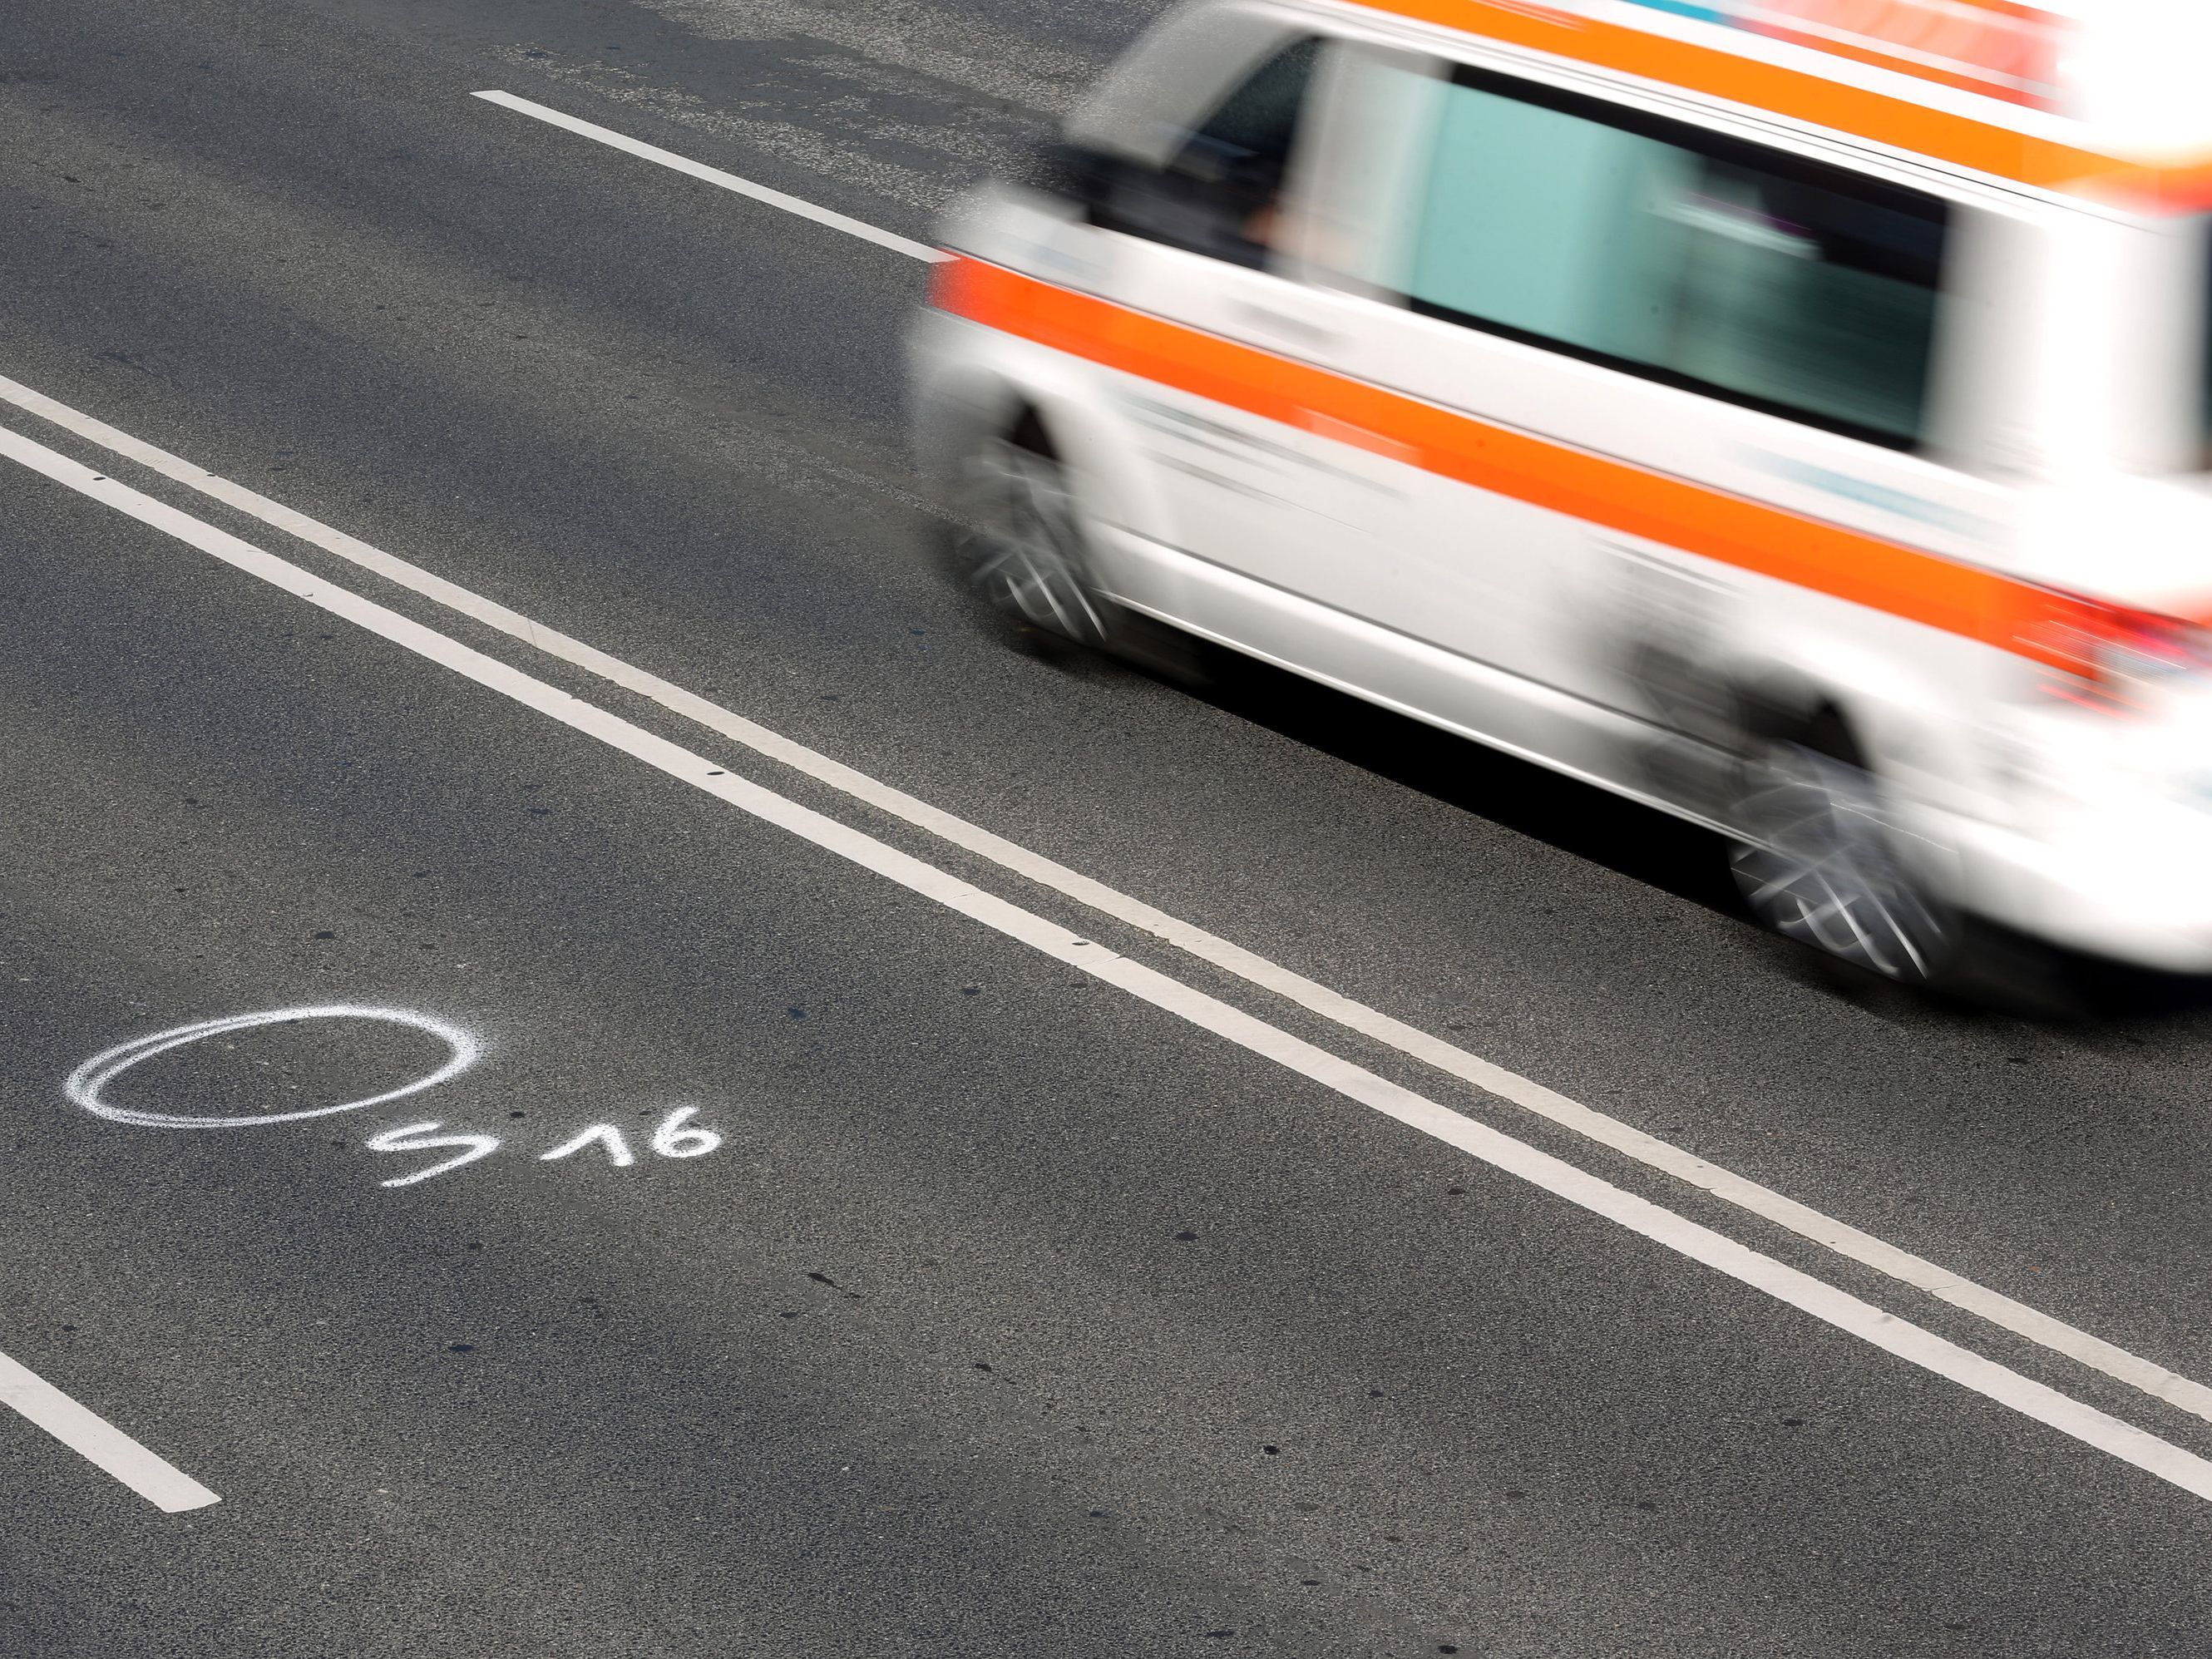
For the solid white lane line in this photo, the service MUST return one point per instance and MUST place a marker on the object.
(1785, 1284)
(669, 158)
(100, 1442)
(1648, 1150)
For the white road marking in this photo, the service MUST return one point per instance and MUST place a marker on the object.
(92, 1437)
(1911, 1343)
(1629, 1142)
(605, 1134)
(86, 1085)
(679, 1137)
(424, 1138)
(669, 158)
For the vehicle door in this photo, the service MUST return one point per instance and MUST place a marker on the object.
(1698, 380)
(1202, 239)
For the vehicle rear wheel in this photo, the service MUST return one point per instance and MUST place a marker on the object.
(1820, 858)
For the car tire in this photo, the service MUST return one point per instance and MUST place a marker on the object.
(1821, 858)
(1017, 545)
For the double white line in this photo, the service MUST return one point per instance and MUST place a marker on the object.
(1825, 1301)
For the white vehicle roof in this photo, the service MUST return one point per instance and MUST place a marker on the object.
(2103, 98)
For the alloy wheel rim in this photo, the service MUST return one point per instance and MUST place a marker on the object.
(1024, 549)
(1819, 863)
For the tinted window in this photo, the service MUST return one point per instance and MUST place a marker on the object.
(1217, 195)
(1689, 258)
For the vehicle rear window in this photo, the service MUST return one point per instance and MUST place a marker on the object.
(1683, 256)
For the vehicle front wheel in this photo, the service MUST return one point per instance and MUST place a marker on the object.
(1020, 547)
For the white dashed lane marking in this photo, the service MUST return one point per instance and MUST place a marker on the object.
(160, 1482)
(684, 164)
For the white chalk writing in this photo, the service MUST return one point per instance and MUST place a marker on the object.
(676, 1139)
(618, 1151)
(422, 1138)
(87, 1084)
(677, 1136)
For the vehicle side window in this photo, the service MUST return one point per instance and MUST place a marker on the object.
(1683, 256)
(1217, 195)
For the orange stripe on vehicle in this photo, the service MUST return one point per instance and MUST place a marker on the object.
(1957, 80)
(1993, 47)
(1884, 576)
(1939, 135)
(2158, 190)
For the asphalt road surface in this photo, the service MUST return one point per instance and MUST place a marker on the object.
(945, 1152)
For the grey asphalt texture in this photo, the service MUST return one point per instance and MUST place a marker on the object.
(1012, 1317)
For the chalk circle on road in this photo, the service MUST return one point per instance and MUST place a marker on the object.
(90, 1081)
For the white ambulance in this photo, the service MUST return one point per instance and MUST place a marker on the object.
(1791, 414)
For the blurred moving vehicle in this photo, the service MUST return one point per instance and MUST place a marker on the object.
(1792, 414)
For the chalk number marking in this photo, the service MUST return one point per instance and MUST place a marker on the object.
(676, 1137)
